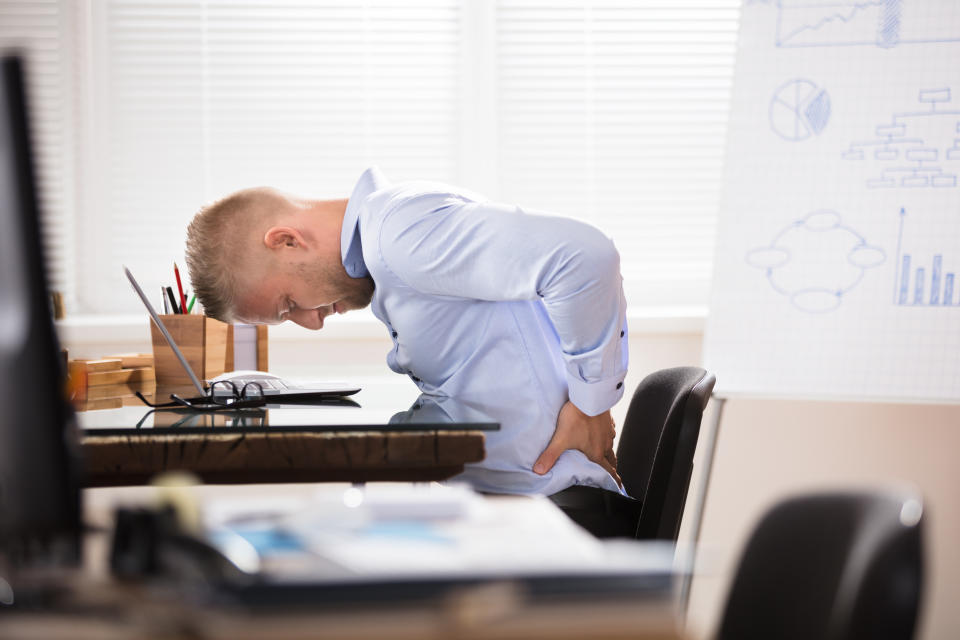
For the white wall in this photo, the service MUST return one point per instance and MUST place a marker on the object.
(769, 448)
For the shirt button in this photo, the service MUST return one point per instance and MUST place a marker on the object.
(394, 334)
(621, 334)
(619, 384)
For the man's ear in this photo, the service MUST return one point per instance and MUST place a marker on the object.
(281, 237)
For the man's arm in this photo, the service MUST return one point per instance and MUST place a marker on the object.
(495, 252)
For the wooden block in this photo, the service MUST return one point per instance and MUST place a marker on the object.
(76, 378)
(103, 364)
(100, 403)
(134, 360)
(116, 390)
(134, 401)
(120, 376)
(79, 371)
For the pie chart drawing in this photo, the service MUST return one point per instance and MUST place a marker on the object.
(799, 109)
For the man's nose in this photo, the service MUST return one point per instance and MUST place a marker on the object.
(308, 318)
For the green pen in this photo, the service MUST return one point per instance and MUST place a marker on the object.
(193, 299)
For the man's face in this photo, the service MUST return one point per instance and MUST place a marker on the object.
(304, 293)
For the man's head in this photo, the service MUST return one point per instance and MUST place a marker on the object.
(262, 256)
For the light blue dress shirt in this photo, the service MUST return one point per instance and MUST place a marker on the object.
(488, 303)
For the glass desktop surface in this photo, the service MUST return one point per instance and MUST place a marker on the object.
(377, 407)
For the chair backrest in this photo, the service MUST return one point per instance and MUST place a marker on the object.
(657, 443)
(833, 566)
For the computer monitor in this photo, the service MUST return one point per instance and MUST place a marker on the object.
(39, 492)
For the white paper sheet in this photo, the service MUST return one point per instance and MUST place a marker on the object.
(837, 268)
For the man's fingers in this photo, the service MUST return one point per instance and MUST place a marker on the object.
(612, 470)
(611, 456)
(549, 456)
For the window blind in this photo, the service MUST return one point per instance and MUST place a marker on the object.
(615, 112)
(41, 31)
(203, 98)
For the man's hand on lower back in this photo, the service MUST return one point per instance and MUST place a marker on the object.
(593, 435)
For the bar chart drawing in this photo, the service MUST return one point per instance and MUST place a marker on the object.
(916, 148)
(916, 286)
(816, 261)
(844, 23)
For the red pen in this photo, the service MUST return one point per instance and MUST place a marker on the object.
(183, 298)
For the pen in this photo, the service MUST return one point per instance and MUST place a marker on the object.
(183, 299)
(193, 299)
(173, 301)
(166, 303)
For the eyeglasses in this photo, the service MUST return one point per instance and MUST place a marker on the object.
(221, 395)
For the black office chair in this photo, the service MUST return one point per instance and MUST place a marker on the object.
(657, 442)
(830, 566)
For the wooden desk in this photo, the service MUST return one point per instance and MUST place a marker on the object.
(381, 440)
(343, 456)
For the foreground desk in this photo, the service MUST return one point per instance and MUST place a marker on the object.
(380, 436)
(466, 616)
(634, 603)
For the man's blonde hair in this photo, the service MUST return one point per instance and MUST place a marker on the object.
(220, 239)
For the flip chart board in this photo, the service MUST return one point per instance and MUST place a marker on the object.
(837, 269)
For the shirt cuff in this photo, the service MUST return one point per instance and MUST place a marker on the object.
(593, 398)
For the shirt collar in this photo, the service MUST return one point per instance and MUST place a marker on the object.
(351, 251)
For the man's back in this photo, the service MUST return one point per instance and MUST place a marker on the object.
(465, 289)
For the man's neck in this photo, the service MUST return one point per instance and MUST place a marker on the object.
(332, 212)
(324, 221)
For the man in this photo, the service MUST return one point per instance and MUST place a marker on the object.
(481, 300)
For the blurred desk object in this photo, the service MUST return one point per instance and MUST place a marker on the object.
(122, 612)
(351, 441)
(497, 567)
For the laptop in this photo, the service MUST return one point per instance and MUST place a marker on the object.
(274, 388)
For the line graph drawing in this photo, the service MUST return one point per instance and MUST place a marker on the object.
(907, 145)
(815, 261)
(914, 286)
(881, 23)
(799, 109)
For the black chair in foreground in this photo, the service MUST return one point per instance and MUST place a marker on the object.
(657, 443)
(838, 566)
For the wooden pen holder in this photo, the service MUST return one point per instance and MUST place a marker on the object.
(203, 342)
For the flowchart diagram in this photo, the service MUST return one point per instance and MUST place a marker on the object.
(815, 261)
(917, 148)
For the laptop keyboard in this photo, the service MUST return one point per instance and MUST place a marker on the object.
(265, 383)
